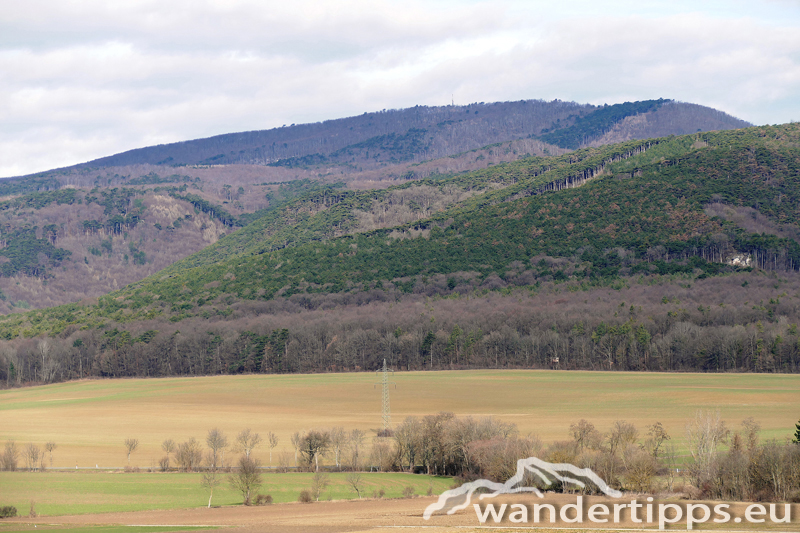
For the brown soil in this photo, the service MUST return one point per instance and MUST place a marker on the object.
(373, 516)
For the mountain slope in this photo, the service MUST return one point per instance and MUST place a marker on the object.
(421, 133)
(60, 246)
(642, 202)
(630, 256)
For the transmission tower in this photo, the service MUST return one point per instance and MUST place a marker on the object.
(385, 385)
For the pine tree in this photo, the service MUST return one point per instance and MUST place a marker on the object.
(796, 439)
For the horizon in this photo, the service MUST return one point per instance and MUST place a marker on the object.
(131, 75)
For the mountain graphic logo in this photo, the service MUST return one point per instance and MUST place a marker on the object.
(455, 500)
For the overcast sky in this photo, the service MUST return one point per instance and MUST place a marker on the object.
(85, 79)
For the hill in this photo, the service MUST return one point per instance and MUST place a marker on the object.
(664, 254)
(424, 133)
(81, 232)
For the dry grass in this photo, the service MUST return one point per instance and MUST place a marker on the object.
(90, 419)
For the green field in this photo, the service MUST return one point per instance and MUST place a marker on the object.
(19, 528)
(60, 493)
(90, 419)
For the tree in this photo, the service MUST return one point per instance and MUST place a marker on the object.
(355, 443)
(50, 446)
(657, 436)
(704, 435)
(210, 481)
(297, 440)
(584, 434)
(217, 442)
(338, 439)
(168, 446)
(640, 468)
(318, 484)
(247, 478)
(356, 482)
(31, 454)
(130, 445)
(246, 441)
(796, 438)
(273, 441)
(621, 436)
(10, 458)
(189, 455)
(314, 444)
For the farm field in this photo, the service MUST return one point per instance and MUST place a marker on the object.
(90, 419)
(373, 516)
(62, 493)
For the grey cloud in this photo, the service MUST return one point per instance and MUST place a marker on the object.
(128, 74)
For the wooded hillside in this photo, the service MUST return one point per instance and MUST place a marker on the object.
(633, 256)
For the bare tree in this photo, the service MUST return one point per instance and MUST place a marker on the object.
(318, 484)
(640, 468)
(355, 443)
(246, 441)
(217, 442)
(189, 455)
(168, 446)
(210, 481)
(272, 438)
(584, 434)
(356, 482)
(704, 435)
(31, 453)
(50, 446)
(338, 440)
(751, 428)
(247, 477)
(314, 444)
(50, 363)
(622, 435)
(10, 458)
(297, 441)
(130, 445)
(669, 458)
(657, 436)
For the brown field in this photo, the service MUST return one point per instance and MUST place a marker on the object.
(374, 516)
(90, 419)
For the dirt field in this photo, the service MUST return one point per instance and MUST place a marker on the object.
(90, 419)
(372, 516)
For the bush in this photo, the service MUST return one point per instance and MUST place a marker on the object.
(263, 499)
(8, 512)
(305, 496)
(164, 463)
(408, 492)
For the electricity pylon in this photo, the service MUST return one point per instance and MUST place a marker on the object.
(385, 385)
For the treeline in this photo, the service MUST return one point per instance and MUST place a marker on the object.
(721, 463)
(737, 323)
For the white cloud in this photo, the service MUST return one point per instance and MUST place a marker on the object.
(85, 79)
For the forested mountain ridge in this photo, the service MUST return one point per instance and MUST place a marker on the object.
(424, 133)
(629, 256)
(84, 231)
